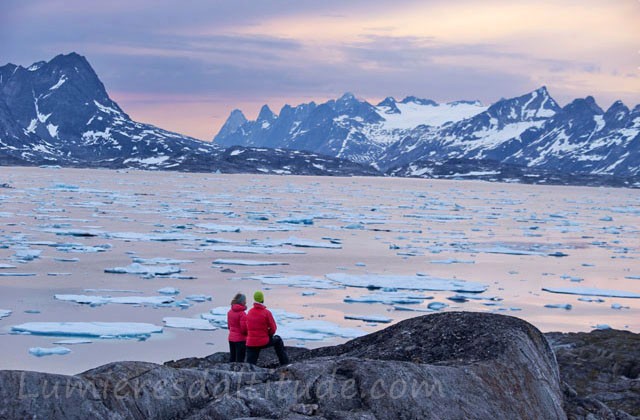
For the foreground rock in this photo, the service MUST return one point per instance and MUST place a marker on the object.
(448, 365)
(600, 371)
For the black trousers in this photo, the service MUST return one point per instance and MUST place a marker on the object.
(237, 351)
(278, 345)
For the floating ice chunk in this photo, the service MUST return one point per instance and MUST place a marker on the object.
(388, 298)
(217, 316)
(6, 266)
(632, 277)
(160, 261)
(78, 248)
(436, 306)
(64, 187)
(618, 306)
(283, 315)
(566, 306)
(169, 291)
(89, 329)
(74, 232)
(17, 274)
(27, 254)
(252, 249)
(453, 261)
(248, 262)
(198, 298)
(73, 341)
(509, 251)
(474, 296)
(307, 282)
(127, 300)
(354, 226)
(4, 313)
(308, 293)
(406, 282)
(154, 270)
(302, 243)
(410, 309)
(370, 318)
(297, 220)
(157, 237)
(591, 291)
(48, 351)
(315, 330)
(602, 327)
(590, 299)
(189, 323)
(211, 227)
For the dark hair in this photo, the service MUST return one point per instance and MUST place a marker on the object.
(239, 298)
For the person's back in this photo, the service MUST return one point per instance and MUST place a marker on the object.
(260, 325)
(237, 324)
(261, 329)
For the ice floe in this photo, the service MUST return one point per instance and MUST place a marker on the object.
(301, 281)
(160, 261)
(267, 250)
(388, 298)
(89, 329)
(566, 306)
(103, 300)
(302, 243)
(370, 318)
(248, 262)
(221, 228)
(11, 274)
(49, 351)
(169, 291)
(406, 282)
(152, 270)
(73, 341)
(6, 266)
(592, 291)
(189, 323)
(315, 330)
(4, 313)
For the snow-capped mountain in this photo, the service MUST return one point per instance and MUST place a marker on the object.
(531, 130)
(59, 112)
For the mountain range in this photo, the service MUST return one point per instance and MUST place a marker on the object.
(59, 113)
(530, 135)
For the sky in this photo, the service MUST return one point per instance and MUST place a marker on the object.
(185, 65)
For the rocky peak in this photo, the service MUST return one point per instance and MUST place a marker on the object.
(266, 114)
(236, 120)
(418, 101)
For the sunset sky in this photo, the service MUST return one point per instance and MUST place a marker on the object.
(185, 65)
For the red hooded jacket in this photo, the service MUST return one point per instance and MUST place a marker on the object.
(237, 322)
(260, 325)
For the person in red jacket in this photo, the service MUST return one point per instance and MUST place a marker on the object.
(237, 323)
(261, 330)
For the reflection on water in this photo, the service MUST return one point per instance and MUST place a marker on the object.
(66, 227)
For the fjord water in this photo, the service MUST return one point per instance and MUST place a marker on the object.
(60, 229)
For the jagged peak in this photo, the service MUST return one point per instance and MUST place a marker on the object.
(475, 102)
(237, 114)
(419, 101)
(266, 114)
(588, 103)
(347, 97)
(542, 90)
(387, 101)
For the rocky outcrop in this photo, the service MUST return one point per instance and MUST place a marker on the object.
(448, 365)
(600, 371)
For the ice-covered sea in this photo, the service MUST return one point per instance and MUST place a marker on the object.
(99, 265)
